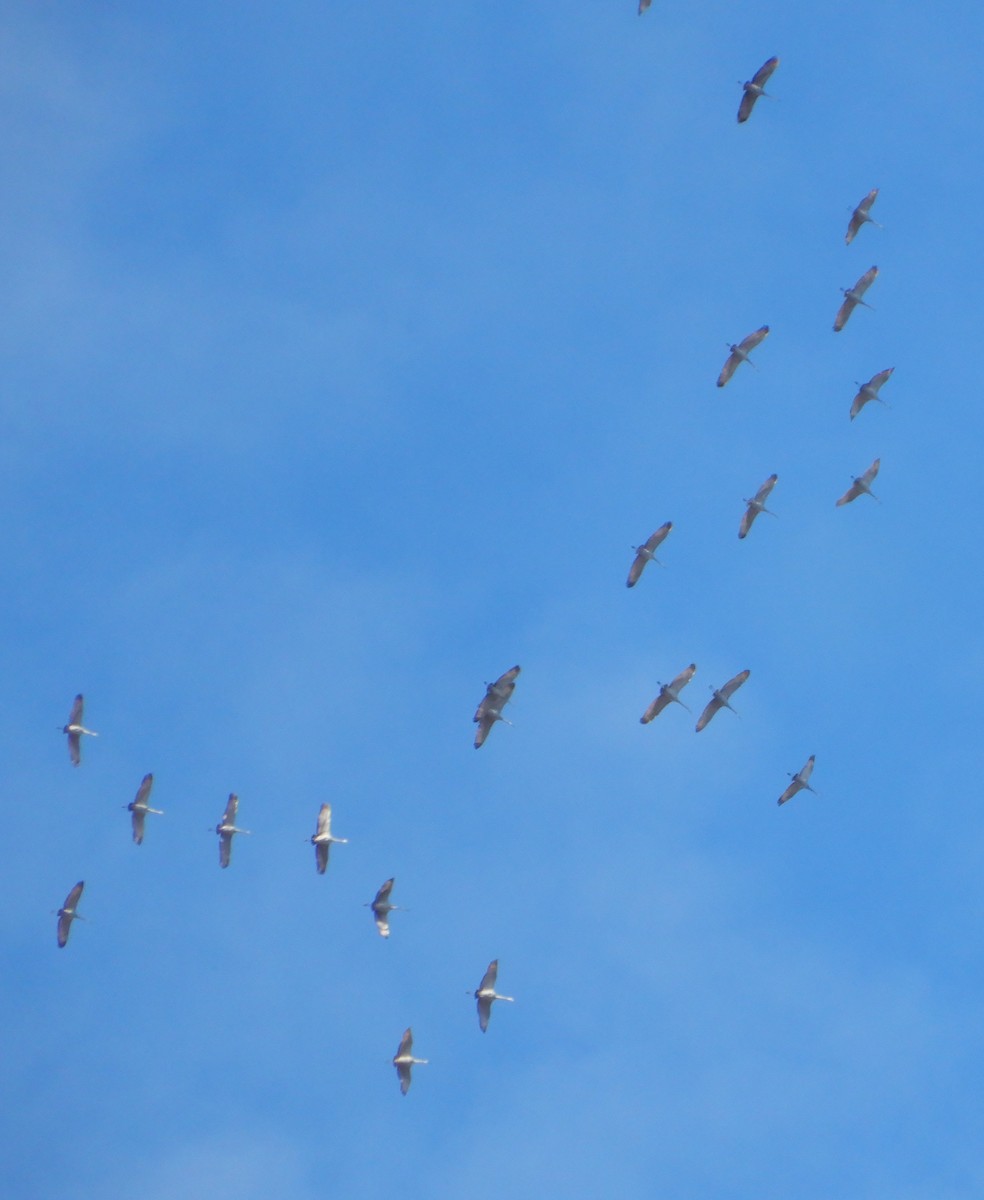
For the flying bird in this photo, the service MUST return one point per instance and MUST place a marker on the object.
(799, 781)
(668, 693)
(643, 5)
(721, 697)
(757, 505)
(647, 552)
(226, 828)
(490, 707)
(754, 88)
(75, 729)
(852, 297)
(861, 484)
(861, 215)
(869, 391)
(322, 839)
(381, 908)
(139, 808)
(740, 352)
(67, 913)
(486, 994)
(404, 1061)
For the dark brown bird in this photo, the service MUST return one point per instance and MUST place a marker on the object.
(721, 698)
(757, 505)
(861, 215)
(647, 553)
(799, 781)
(861, 485)
(754, 88)
(852, 298)
(740, 352)
(67, 913)
(869, 391)
(489, 710)
(669, 693)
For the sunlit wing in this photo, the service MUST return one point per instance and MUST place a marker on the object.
(484, 1012)
(764, 73)
(712, 707)
(748, 344)
(143, 791)
(383, 895)
(225, 849)
(869, 476)
(733, 685)
(865, 282)
(406, 1044)
(137, 818)
(231, 808)
(860, 214)
(324, 821)
(74, 749)
(488, 979)
(729, 368)
(75, 716)
(67, 912)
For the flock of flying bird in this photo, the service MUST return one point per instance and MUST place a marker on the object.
(498, 693)
(322, 839)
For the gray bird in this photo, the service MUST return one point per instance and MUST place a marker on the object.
(852, 298)
(139, 808)
(227, 828)
(740, 352)
(646, 553)
(799, 781)
(404, 1061)
(757, 505)
(643, 5)
(861, 215)
(67, 913)
(486, 994)
(75, 729)
(381, 908)
(669, 693)
(721, 698)
(497, 696)
(869, 391)
(322, 839)
(754, 88)
(861, 485)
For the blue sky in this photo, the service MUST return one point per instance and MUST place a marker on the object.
(346, 353)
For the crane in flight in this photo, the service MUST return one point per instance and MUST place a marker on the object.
(861, 485)
(139, 808)
(75, 729)
(669, 693)
(404, 1060)
(67, 913)
(799, 781)
(486, 994)
(740, 352)
(322, 839)
(497, 696)
(381, 908)
(852, 298)
(646, 553)
(721, 698)
(755, 87)
(757, 505)
(862, 215)
(227, 828)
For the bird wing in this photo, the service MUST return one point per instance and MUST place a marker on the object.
(747, 520)
(636, 570)
(843, 313)
(484, 1012)
(733, 685)
(865, 282)
(403, 1070)
(732, 361)
(657, 706)
(75, 716)
(231, 808)
(643, 5)
(748, 344)
(746, 106)
(143, 791)
(382, 921)
(64, 929)
(324, 820)
(852, 493)
(876, 381)
(684, 677)
(869, 476)
(659, 537)
(485, 723)
(488, 979)
(712, 707)
(860, 215)
(807, 770)
(225, 849)
(766, 489)
(794, 787)
(74, 749)
(859, 401)
(137, 818)
(321, 850)
(383, 895)
(406, 1044)
(498, 693)
(764, 73)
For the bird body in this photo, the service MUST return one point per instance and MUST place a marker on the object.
(647, 553)
(754, 88)
(486, 994)
(721, 698)
(75, 729)
(861, 215)
(322, 839)
(139, 808)
(861, 485)
(227, 828)
(852, 298)
(757, 505)
(799, 781)
(404, 1061)
(869, 391)
(497, 696)
(740, 352)
(669, 693)
(67, 913)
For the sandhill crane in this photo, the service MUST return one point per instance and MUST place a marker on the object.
(486, 994)
(643, 5)
(721, 698)
(754, 88)
(869, 391)
(322, 839)
(861, 215)
(647, 553)
(757, 505)
(67, 913)
(227, 827)
(668, 693)
(740, 352)
(139, 808)
(381, 908)
(852, 297)
(404, 1061)
(799, 781)
(75, 729)
(490, 707)
(861, 485)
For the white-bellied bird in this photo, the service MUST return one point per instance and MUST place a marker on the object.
(75, 729)
(404, 1061)
(486, 994)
